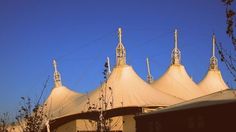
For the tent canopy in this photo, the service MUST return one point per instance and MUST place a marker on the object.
(175, 80)
(213, 80)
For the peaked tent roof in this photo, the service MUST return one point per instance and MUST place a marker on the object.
(59, 97)
(213, 80)
(175, 80)
(123, 88)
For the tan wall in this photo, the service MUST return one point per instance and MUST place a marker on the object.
(129, 123)
(68, 127)
(86, 125)
(117, 123)
(120, 123)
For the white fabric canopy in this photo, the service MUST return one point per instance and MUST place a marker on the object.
(213, 82)
(177, 82)
(59, 98)
(124, 88)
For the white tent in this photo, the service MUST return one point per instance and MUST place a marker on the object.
(176, 81)
(123, 88)
(213, 80)
(60, 97)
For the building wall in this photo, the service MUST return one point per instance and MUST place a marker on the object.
(119, 123)
(86, 125)
(89, 125)
(68, 127)
(218, 118)
(129, 123)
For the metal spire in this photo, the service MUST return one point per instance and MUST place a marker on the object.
(213, 59)
(176, 55)
(55, 65)
(57, 76)
(120, 50)
(176, 39)
(109, 66)
(120, 35)
(149, 76)
(213, 44)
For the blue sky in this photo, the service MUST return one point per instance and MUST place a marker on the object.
(80, 34)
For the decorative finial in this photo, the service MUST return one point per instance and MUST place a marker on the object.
(149, 76)
(57, 76)
(176, 55)
(213, 59)
(109, 66)
(55, 65)
(120, 51)
(120, 35)
(176, 39)
(213, 44)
